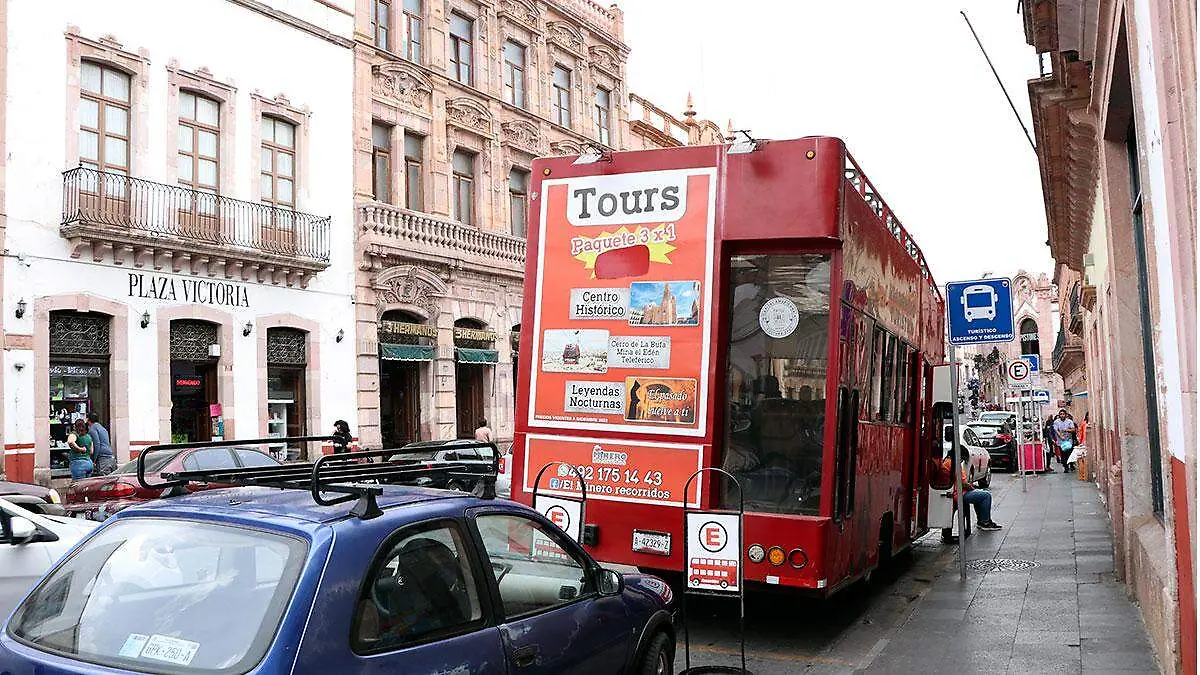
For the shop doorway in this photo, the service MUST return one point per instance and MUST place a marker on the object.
(79, 384)
(406, 345)
(287, 404)
(475, 359)
(196, 413)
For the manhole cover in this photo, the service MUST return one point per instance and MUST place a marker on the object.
(1001, 565)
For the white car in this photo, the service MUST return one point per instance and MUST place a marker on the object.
(979, 470)
(30, 543)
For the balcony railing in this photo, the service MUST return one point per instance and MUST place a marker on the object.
(100, 204)
(424, 234)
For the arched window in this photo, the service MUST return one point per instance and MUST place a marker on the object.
(1029, 337)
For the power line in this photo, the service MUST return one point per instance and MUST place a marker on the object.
(999, 81)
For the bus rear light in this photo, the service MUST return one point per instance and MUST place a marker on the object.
(798, 558)
(776, 556)
(756, 553)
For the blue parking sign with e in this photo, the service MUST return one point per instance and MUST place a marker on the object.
(980, 311)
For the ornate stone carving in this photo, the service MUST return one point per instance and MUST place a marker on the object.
(469, 114)
(522, 134)
(566, 36)
(402, 83)
(521, 11)
(565, 147)
(413, 289)
(605, 59)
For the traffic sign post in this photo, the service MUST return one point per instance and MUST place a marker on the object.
(977, 312)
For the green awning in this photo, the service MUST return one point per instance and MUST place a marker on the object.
(394, 352)
(466, 355)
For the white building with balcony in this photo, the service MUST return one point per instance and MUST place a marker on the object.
(178, 247)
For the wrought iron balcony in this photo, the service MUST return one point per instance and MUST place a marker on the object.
(177, 226)
(390, 231)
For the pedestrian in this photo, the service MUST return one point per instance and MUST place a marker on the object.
(341, 437)
(79, 452)
(979, 498)
(1048, 441)
(1064, 436)
(102, 452)
(1083, 429)
(483, 432)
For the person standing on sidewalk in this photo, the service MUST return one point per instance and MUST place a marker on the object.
(980, 499)
(1064, 436)
(102, 452)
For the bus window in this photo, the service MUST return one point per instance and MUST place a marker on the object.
(776, 379)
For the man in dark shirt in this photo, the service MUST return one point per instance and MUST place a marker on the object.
(103, 457)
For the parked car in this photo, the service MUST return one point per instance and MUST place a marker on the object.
(979, 469)
(999, 416)
(475, 457)
(36, 498)
(999, 440)
(99, 497)
(30, 543)
(266, 580)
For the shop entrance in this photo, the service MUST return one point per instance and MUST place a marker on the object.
(475, 359)
(196, 413)
(287, 407)
(79, 352)
(406, 345)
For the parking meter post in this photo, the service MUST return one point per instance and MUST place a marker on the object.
(957, 470)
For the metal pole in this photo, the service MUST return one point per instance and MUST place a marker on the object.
(957, 468)
(1021, 440)
(999, 81)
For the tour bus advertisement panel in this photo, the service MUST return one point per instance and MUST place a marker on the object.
(637, 472)
(623, 303)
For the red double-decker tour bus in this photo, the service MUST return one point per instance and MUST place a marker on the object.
(763, 312)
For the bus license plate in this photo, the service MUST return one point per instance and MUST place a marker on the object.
(658, 543)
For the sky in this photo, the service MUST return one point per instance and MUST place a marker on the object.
(901, 81)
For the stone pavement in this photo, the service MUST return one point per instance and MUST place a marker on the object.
(1040, 595)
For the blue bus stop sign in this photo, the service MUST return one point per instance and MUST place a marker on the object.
(980, 311)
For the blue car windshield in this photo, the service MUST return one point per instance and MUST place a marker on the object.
(156, 595)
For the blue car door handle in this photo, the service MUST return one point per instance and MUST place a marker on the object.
(524, 656)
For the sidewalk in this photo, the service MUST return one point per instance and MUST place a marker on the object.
(1040, 595)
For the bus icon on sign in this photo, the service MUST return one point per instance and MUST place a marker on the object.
(979, 302)
(713, 572)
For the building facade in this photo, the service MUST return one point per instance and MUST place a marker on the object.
(453, 101)
(178, 237)
(1115, 119)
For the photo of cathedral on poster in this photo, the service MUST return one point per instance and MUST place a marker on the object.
(664, 303)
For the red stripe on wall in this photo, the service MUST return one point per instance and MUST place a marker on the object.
(1183, 554)
(143, 442)
(18, 446)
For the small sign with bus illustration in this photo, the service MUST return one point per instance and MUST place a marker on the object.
(645, 473)
(713, 552)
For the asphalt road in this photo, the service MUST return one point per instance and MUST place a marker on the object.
(788, 634)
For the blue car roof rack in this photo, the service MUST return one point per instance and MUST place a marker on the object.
(352, 475)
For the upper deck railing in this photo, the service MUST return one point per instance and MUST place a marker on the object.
(854, 173)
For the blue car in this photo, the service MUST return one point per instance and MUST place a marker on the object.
(257, 579)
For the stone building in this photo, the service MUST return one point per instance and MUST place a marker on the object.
(1115, 120)
(453, 101)
(178, 249)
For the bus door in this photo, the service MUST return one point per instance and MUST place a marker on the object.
(854, 357)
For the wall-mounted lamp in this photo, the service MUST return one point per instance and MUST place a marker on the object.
(341, 335)
(246, 329)
(145, 319)
(19, 365)
(21, 308)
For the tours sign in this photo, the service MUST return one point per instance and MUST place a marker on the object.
(623, 303)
